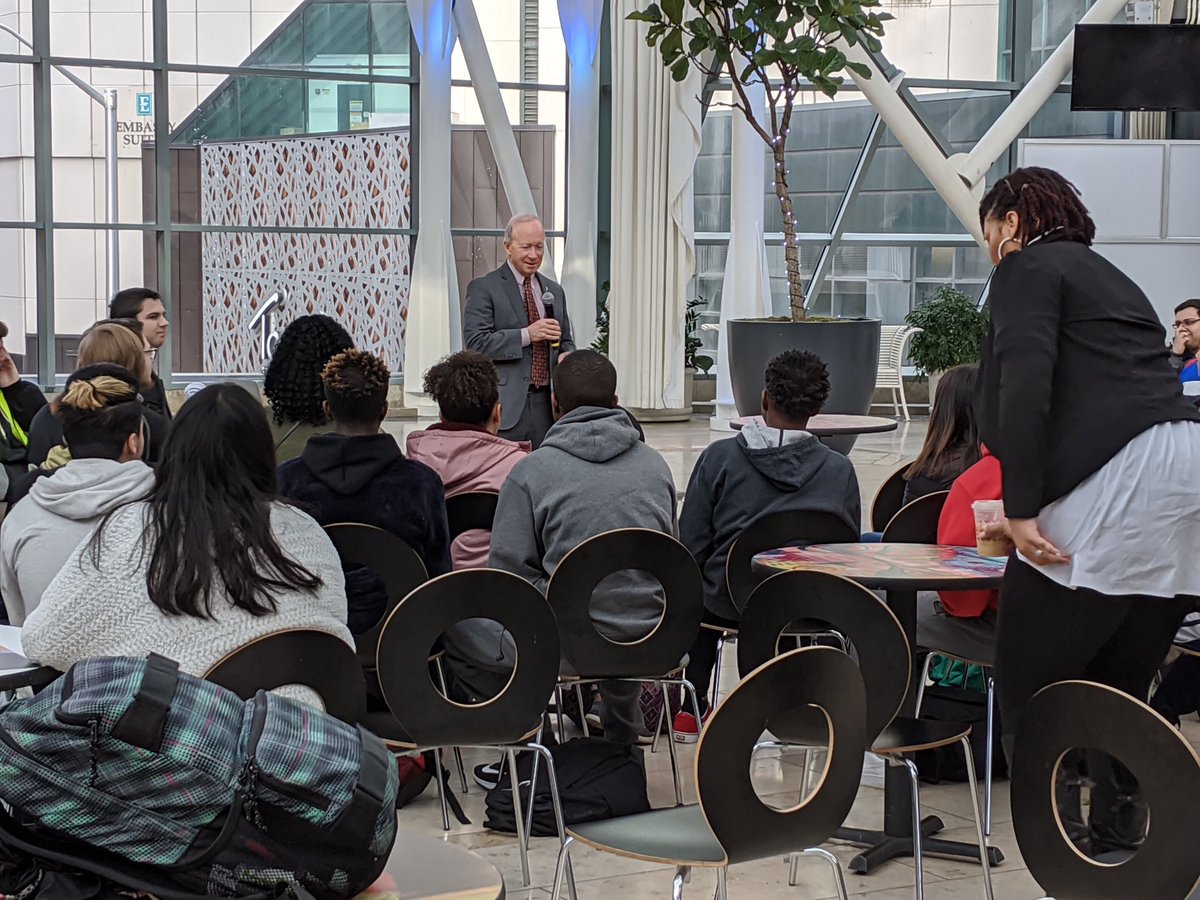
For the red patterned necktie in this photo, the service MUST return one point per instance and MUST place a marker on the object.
(541, 349)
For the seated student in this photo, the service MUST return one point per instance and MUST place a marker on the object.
(464, 448)
(769, 466)
(590, 475)
(19, 403)
(209, 561)
(105, 432)
(119, 342)
(1179, 693)
(1185, 340)
(952, 441)
(292, 383)
(145, 307)
(358, 474)
(963, 622)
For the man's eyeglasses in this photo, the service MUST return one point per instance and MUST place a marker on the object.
(1186, 323)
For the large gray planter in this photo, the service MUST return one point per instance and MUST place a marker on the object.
(849, 347)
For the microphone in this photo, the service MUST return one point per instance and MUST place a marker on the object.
(548, 303)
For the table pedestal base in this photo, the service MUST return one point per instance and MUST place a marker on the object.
(895, 841)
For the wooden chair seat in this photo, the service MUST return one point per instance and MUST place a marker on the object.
(906, 735)
(677, 836)
(720, 629)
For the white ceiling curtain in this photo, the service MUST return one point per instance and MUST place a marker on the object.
(656, 139)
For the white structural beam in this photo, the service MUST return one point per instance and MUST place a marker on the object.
(580, 20)
(975, 165)
(923, 149)
(495, 116)
(433, 325)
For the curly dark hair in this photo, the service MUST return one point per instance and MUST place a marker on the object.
(797, 381)
(465, 386)
(1044, 200)
(293, 380)
(356, 386)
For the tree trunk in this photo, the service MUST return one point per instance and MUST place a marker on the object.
(791, 250)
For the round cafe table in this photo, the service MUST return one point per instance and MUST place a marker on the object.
(425, 867)
(833, 425)
(901, 570)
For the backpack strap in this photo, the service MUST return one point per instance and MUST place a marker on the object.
(358, 819)
(143, 723)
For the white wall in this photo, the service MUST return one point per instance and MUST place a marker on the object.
(1143, 197)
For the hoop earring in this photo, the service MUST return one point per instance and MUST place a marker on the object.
(1000, 250)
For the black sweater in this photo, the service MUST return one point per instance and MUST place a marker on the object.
(1074, 367)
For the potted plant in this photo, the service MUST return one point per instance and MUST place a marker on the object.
(787, 46)
(693, 359)
(954, 328)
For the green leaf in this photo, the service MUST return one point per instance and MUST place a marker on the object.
(679, 71)
(673, 10)
(650, 14)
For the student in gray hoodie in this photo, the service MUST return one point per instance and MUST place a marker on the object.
(591, 474)
(771, 465)
(105, 431)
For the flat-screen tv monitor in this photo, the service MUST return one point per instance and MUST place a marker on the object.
(1131, 67)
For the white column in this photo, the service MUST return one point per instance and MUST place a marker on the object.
(746, 290)
(656, 138)
(495, 117)
(433, 325)
(580, 21)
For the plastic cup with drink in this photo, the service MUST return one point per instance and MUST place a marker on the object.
(987, 514)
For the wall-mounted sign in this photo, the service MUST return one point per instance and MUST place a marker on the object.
(145, 104)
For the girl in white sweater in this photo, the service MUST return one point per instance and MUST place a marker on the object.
(208, 562)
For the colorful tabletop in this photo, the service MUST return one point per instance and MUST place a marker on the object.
(833, 424)
(928, 567)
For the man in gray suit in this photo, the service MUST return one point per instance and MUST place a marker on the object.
(507, 319)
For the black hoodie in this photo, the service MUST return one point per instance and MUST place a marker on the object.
(739, 480)
(368, 480)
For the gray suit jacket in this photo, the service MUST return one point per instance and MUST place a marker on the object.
(492, 323)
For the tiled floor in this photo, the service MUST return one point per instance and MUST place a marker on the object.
(776, 777)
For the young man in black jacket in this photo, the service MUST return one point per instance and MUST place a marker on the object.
(146, 306)
(358, 474)
(770, 466)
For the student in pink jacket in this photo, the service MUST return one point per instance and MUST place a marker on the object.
(463, 448)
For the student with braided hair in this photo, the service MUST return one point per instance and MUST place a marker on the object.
(358, 474)
(1085, 414)
(103, 424)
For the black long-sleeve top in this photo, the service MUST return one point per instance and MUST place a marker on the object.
(1074, 367)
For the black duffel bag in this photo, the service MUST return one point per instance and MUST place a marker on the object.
(597, 779)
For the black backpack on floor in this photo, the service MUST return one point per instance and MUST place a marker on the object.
(597, 779)
(947, 764)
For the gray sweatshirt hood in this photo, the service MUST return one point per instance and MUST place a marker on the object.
(788, 459)
(88, 488)
(593, 434)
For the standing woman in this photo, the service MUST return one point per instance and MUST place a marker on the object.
(1083, 410)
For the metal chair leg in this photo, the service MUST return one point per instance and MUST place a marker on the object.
(716, 685)
(722, 883)
(556, 805)
(558, 711)
(793, 868)
(441, 673)
(983, 848)
(928, 664)
(658, 729)
(441, 789)
(560, 867)
(987, 758)
(903, 398)
(462, 772)
(839, 878)
(533, 776)
(915, 780)
(681, 875)
(674, 752)
(582, 712)
(518, 816)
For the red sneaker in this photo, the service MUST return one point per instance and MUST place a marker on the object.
(687, 731)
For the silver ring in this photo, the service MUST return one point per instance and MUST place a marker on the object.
(1038, 553)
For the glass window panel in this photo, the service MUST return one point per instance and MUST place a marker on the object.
(285, 49)
(336, 35)
(972, 262)
(935, 262)
(1057, 119)
(391, 34)
(18, 283)
(954, 39)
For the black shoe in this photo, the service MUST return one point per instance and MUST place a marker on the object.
(488, 775)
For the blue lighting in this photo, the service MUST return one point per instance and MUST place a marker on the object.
(580, 20)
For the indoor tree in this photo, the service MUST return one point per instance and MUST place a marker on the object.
(787, 46)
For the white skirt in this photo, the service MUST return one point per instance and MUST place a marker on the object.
(1133, 527)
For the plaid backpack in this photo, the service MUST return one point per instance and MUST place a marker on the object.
(133, 762)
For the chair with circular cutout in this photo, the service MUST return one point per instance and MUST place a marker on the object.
(471, 510)
(1082, 714)
(889, 498)
(299, 656)
(730, 824)
(917, 522)
(423, 718)
(659, 656)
